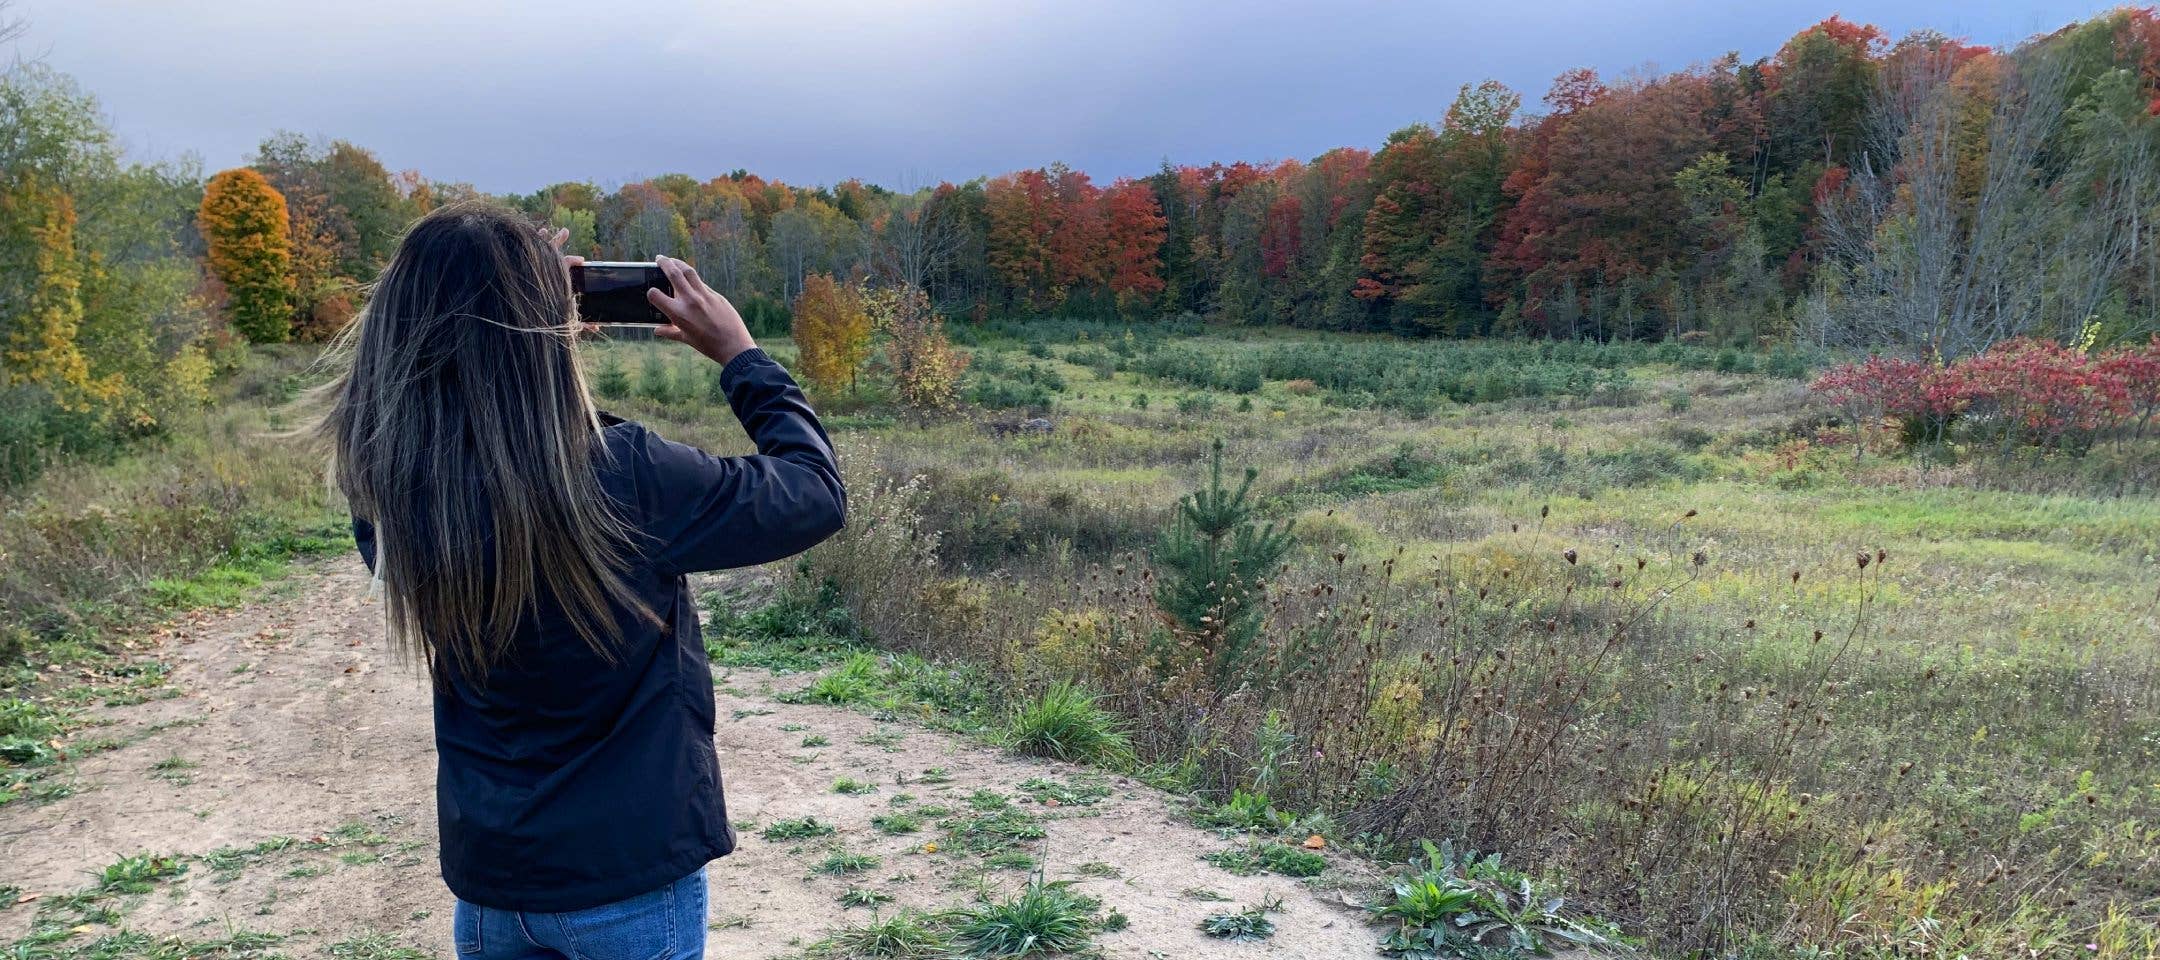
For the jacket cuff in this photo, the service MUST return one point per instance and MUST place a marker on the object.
(741, 362)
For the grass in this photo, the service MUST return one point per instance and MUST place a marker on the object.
(896, 823)
(842, 862)
(1043, 919)
(798, 829)
(906, 935)
(1067, 723)
(1953, 703)
(373, 946)
(1832, 756)
(138, 873)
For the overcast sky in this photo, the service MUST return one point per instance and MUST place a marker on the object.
(900, 93)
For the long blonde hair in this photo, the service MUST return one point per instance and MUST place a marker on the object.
(460, 427)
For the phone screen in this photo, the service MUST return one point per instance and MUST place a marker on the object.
(614, 293)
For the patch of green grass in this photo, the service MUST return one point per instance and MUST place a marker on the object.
(849, 786)
(138, 873)
(174, 770)
(796, 631)
(799, 829)
(1279, 858)
(1066, 723)
(843, 861)
(238, 578)
(862, 897)
(1044, 919)
(993, 833)
(816, 740)
(227, 862)
(987, 799)
(896, 823)
(855, 680)
(907, 935)
(1065, 793)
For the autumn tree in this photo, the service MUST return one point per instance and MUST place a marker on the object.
(1437, 203)
(1134, 228)
(832, 330)
(246, 227)
(925, 367)
(39, 346)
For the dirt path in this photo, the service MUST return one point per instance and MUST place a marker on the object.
(291, 770)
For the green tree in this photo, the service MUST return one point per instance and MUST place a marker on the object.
(1211, 567)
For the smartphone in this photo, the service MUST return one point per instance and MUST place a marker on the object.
(613, 294)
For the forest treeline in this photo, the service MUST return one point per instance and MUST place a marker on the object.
(1922, 197)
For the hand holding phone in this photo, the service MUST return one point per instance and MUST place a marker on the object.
(697, 314)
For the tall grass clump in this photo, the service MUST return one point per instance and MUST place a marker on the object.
(1043, 919)
(1066, 723)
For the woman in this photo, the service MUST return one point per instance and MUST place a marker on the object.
(531, 551)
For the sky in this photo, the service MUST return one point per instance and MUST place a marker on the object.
(510, 96)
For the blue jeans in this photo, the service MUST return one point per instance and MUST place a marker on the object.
(665, 924)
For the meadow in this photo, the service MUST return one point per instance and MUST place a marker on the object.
(1647, 621)
(1644, 618)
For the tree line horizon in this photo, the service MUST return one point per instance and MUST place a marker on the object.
(1923, 196)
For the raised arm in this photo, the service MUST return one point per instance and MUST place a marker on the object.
(711, 513)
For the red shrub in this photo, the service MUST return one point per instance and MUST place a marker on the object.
(2034, 391)
(2137, 369)
(2041, 391)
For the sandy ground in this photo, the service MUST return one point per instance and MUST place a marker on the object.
(297, 724)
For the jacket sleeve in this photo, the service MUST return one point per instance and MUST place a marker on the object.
(713, 513)
(363, 535)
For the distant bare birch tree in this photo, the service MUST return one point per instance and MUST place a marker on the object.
(1985, 205)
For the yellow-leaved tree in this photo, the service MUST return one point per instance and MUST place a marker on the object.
(40, 343)
(925, 367)
(247, 229)
(832, 331)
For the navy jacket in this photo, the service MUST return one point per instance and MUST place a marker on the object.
(565, 781)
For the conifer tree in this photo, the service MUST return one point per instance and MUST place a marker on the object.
(1211, 568)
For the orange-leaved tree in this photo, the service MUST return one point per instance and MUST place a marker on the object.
(832, 330)
(246, 227)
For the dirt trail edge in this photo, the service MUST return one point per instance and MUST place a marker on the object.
(293, 774)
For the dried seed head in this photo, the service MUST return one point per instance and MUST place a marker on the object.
(1863, 559)
(1569, 553)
